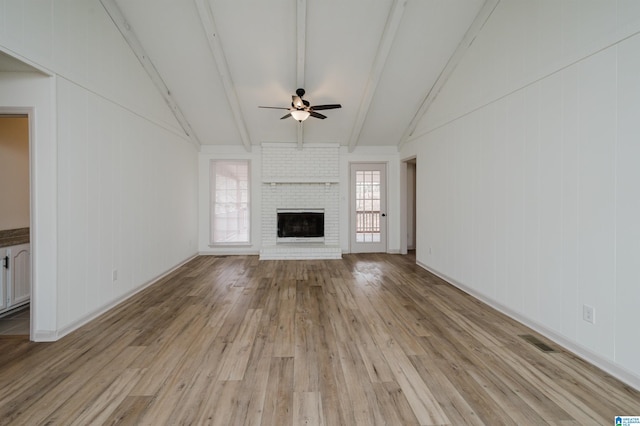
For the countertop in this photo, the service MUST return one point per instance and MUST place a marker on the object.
(13, 237)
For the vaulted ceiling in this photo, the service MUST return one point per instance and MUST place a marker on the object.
(218, 60)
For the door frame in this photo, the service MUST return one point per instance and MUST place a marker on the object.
(33, 92)
(384, 223)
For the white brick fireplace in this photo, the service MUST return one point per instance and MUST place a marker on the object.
(301, 179)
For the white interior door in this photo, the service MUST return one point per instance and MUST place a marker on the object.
(368, 224)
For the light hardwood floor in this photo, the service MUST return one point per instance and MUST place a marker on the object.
(370, 339)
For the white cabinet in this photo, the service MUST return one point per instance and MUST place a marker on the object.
(4, 264)
(20, 262)
(15, 278)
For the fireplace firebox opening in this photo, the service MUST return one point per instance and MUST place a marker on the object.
(297, 225)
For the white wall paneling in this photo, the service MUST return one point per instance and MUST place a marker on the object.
(627, 207)
(127, 202)
(114, 177)
(527, 173)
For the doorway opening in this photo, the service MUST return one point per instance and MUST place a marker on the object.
(15, 220)
(411, 204)
(408, 195)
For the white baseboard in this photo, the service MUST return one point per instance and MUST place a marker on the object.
(389, 251)
(44, 336)
(230, 253)
(94, 314)
(599, 361)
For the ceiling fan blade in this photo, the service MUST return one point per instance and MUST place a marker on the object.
(273, 107)
(316, 115)
(329, 106)
(285, 116)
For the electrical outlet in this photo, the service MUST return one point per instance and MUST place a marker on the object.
(588, 314)
(114, 275)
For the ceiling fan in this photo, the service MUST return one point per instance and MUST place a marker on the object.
(300, 109)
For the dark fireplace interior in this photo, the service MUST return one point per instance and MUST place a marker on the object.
(300, 225)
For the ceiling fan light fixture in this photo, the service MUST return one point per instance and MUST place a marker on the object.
(300, 115)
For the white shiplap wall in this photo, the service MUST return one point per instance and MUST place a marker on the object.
(528, 173)
(126, 180)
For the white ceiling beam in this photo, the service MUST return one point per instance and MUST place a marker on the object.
(301, 37)
(474, 29)
(391, 28)
(121, 23)
(208, 23)
(301, 33)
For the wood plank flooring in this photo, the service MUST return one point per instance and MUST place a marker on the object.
(367, 340)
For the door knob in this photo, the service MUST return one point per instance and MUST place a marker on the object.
(383, 215)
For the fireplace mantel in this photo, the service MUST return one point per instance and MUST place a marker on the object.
(285, 180)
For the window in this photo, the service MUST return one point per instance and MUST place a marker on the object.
(230, 216)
